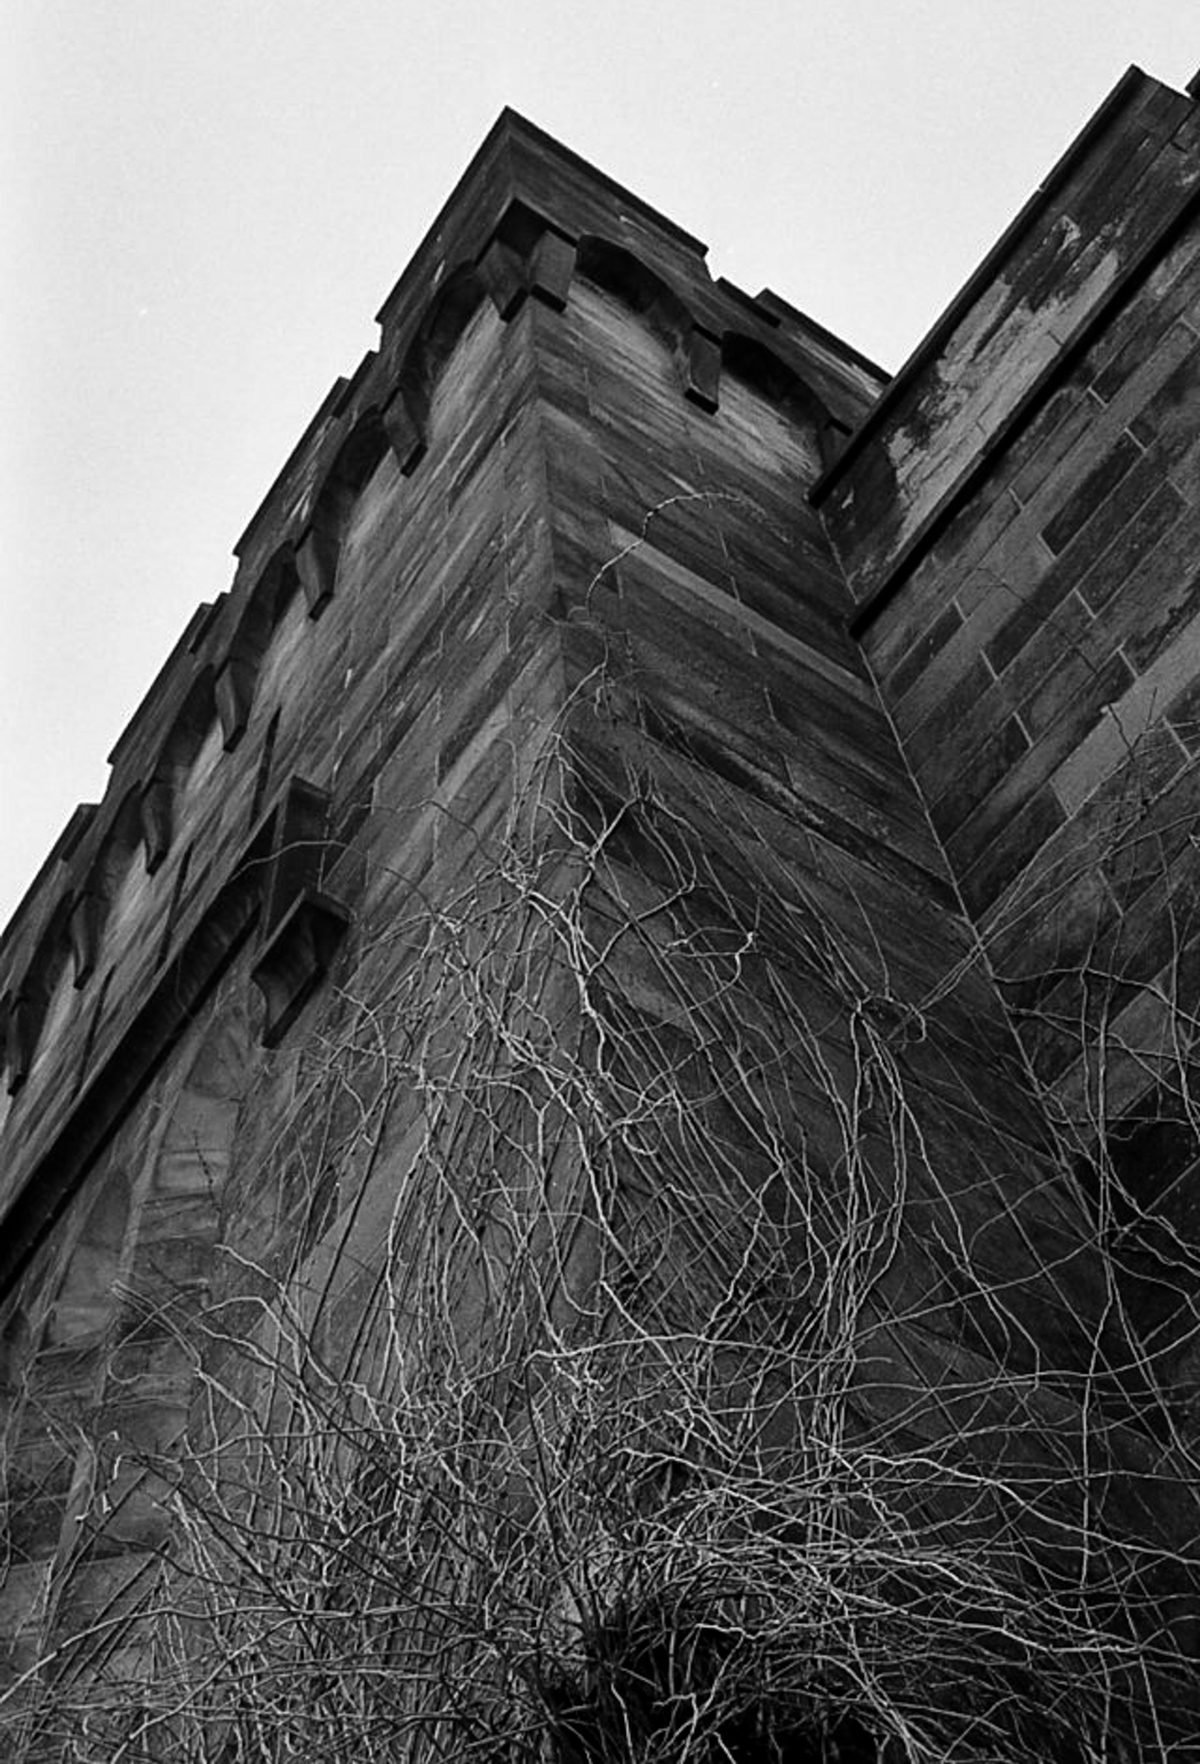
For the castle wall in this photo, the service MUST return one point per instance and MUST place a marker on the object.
(559, 894)
(704, 596)
(1105, 213)
(376, 752)
(1039, 649)
(1055, 686)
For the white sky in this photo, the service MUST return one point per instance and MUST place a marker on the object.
(203, 203)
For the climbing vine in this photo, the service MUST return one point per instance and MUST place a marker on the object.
(670, 1361)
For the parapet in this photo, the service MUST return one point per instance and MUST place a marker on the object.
(1094, 228)
(149, 892)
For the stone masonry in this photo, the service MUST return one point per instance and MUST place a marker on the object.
(608, 587)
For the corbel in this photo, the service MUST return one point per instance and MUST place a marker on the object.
(543, 266)
(503, 273)
(21, 1028)
(155, 820)
(405, 433)
(316, 565)
(233, 691)
(85, 927)
(295, 958)
(552, 268)
(702, 369)
(6, 1004)
(298, 846)
(302, 926)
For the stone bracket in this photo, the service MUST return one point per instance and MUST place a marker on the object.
(702, 369)
(233, 690)
(543, 267)
(85, 927)
(404, 433)
(297, 848)
(502, 272)
(155, 821)
(316, 566)
(22, 1021)
(552, 269)
(295, 958)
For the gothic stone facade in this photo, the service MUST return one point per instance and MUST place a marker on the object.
(913, 669)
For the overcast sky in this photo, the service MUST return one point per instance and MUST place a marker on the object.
(203, 203)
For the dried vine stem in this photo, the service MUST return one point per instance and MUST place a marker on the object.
(642, 1389)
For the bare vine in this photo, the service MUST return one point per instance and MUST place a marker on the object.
(641, 1385)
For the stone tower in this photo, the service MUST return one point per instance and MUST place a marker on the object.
(621, 1037)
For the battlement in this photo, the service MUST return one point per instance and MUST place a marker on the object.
(136, 874)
